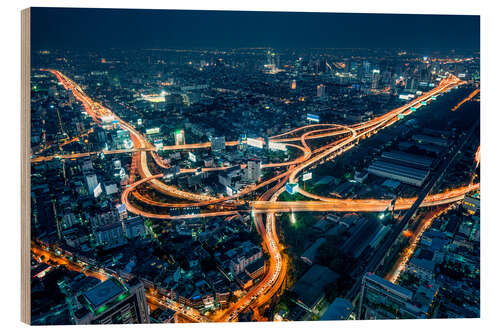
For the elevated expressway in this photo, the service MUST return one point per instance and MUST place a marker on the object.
(348, 136)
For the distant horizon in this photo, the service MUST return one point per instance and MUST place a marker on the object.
(87, 28)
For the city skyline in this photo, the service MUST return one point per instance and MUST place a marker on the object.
(223, 184)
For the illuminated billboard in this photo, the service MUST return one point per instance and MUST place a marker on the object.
(307, 176)
(255, 143)
(192, 157)
(154, 130)
(277, 146)
(313, 117)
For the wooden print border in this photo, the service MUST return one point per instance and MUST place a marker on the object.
(25, 166)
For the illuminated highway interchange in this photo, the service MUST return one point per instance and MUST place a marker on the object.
(270, 191)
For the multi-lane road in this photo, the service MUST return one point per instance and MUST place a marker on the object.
(345, 137)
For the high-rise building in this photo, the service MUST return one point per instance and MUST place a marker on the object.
(110, 236)
(134, 227)
(101, 135)
(218, 143)
(271, 58)
(179, 137)
(381, 299)
(375, 78)
(321, 91)
(112, 302)
(366, 66)
(92, 183)
(293, 85)
(410, 84)
(253, 172)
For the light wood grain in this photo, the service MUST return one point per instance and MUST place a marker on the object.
(25, 166)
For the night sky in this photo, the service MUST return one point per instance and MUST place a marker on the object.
(71, 28)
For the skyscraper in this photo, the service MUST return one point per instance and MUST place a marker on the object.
(112, 302)
(375, 78)
(179, 137)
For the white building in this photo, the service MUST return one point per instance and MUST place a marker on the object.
(92, 183)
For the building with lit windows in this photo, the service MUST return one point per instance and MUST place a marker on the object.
(472, 204)
(254, 168)
(179, 137)
(375, 78)
(381, 299)
(112, 302)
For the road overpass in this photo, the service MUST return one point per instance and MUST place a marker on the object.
(349, 136)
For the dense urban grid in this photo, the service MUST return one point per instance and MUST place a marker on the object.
(254, 184)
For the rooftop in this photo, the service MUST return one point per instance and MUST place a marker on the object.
(104, 292)
(340, 309)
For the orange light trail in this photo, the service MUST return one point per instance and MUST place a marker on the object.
(466, 99)
(269, 285)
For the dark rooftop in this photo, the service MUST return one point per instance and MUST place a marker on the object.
(104, 292)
